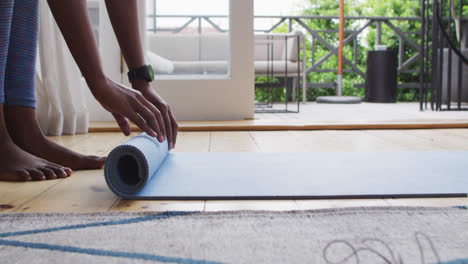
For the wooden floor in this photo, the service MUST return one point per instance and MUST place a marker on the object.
(314, 116)
(86, 191)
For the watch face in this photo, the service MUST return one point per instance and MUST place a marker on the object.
(151, 72)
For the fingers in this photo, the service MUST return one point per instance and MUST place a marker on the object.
(170, 123)
(159, 126)
(165, 121)
(169, 127)
(175, 128)
(140, 122)
(123, 124)
(151, 114)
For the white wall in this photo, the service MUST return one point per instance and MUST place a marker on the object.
(110, 55)
(225, 99)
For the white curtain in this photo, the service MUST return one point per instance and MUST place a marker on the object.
(61, 104)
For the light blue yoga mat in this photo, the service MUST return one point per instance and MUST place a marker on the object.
(142, 168)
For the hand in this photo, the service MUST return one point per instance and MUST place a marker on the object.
(170, 123)
(125, 104)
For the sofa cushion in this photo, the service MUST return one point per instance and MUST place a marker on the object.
(277, 42)
(200, 67)
(279, 67)
(292, 46)
(175, 47)
(264, 43)
(214, 47)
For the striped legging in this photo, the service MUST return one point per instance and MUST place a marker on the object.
(18, 48)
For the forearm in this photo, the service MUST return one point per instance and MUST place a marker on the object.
(72, 18)
(124, 19)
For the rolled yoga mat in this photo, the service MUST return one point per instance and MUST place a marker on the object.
(143, 168)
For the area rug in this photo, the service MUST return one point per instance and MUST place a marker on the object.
(352, 235)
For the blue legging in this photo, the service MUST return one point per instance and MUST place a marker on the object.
(18, 48)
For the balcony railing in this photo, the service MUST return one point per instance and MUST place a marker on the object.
(445, 66)
(409, 58)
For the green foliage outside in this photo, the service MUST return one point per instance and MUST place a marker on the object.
(366, 41)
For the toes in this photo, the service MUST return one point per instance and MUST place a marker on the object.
(68, 171)
(23, 176)
(49, 174)
(36, 174)
(97, 162)
(61, 172)
(20, 175)
(91, 163)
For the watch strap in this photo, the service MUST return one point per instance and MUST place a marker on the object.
(144, 72)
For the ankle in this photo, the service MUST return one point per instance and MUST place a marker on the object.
(22, 125)
(4, 136)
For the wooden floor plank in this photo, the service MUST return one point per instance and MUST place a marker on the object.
(329, 116)
(193, 142)
(278, 141)
(457, 132)
(13, 195)
(240, 205)
(441, 139)
(336, 141)
(84, 191)
(428, 202)
(93, 143)
(403, 140)
(340, 203)
(230, 141)
(159, 206)
(313, 204)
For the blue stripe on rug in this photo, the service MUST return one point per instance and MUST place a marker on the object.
(106, 253)
(99, 252)
(107, 223)
(456, 261)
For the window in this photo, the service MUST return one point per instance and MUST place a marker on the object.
(188, 39)
(93, 12)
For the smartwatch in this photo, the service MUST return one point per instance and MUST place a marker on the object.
(144, 72)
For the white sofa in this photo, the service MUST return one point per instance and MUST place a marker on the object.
(182, 54)
(278, 53)
(189, 54)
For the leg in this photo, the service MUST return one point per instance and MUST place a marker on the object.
(16, 164)
(21, 59)
(20, 113)
(6, 12)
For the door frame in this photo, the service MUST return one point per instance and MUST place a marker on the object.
(205, 99)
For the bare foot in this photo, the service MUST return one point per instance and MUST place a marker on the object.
(18, 165)
(25, 132)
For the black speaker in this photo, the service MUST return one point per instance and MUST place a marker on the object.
(381, 76)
